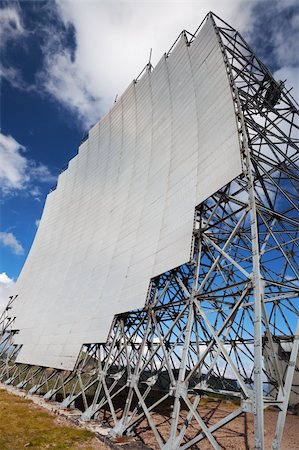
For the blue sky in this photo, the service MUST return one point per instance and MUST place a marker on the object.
(63, 63)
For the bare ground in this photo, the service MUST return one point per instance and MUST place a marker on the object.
(237, 435)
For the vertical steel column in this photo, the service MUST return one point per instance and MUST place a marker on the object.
(258, 403)
(288, 385)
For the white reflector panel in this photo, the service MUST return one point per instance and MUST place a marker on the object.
(123, 211)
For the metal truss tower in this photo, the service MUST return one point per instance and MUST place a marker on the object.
(218, 324)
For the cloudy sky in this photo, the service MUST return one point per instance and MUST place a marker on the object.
(62, 65)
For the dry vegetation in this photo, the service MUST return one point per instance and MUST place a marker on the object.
(25, 425)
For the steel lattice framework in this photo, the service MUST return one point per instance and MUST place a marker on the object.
(213, 325)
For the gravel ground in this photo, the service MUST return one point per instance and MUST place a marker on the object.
(237, 435)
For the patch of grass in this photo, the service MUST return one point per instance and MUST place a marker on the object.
(23, 425)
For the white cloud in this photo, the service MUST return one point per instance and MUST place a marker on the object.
(37, 222)
(12, 163)
(291, 74)
(10, 25)
(11, 29)
(286, 50)
(275, 32)
(67, 84)
(9, 240)
(113, 44)
(18, 172)
(35, 192)
(6, 289)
